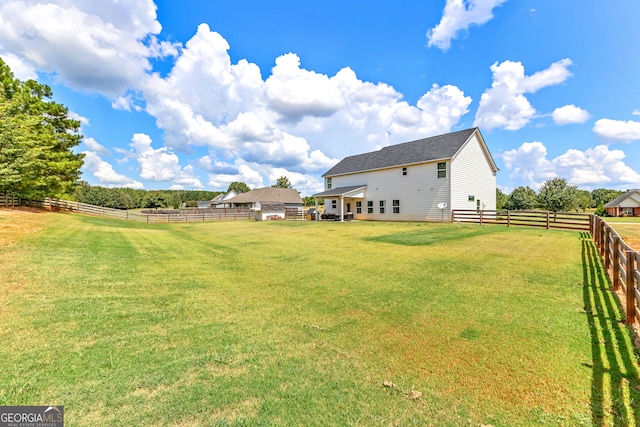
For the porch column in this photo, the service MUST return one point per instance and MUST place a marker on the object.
(316, 212)
(342, 207)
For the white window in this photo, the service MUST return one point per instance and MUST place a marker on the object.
(383, 203)
(442, 170)
(396, 206)
(358, 207)
(328, 183)
(370, 206)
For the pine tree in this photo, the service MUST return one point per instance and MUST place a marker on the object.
(36, 140)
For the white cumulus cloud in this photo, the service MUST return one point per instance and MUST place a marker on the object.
(459, 15)
(95, 146)
(504, 105)
(595, 167)
(617, 130)
(293, 119)
(569, 114)
(105, 174)
(160, 164)
(102, 46)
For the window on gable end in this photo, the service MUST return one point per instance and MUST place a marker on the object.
(442, 169)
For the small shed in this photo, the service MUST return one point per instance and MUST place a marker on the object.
(265, 211)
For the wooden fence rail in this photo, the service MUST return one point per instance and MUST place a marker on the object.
(622, 264)
(548, 220)
(9, 200)
(149, 217)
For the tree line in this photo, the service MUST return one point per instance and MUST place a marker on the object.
(129, 198)
(556, 195)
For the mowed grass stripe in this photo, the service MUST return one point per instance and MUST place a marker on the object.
(301, 323)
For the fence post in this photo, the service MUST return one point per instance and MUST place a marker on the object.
(616, 263)
(481, 217)
(631, 289)
(508, 218)
(607, 248)
(547, 220)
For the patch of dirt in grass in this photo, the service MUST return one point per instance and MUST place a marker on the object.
(17, 222)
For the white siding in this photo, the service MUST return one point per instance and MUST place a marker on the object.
(419, 193)
(472, 175)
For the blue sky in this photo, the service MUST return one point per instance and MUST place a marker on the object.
(197, 94)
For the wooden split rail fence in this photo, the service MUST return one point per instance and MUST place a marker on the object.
(622, 264)
(9, 201)
(149, 216)
(548, 220)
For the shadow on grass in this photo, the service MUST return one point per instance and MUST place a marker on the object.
(433, 235)
(615, 399)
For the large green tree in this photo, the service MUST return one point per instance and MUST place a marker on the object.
(238, 187)
(602, 196)
(282, 182)
(501, 199)
(557, 195)
(521, 198)
(36, 140)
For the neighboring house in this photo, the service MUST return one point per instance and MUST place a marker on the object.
(421, 180)
(220, 201)
(627, 204)
(269, 202)
(216, 202)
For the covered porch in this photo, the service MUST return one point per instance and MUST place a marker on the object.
(339, 194)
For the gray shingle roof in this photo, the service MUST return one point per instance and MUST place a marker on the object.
(268, 194)
(419, 151)
(616, 202)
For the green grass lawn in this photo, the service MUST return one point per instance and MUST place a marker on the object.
(312, 323)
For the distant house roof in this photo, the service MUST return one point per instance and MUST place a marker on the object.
(439, 147)
(268, 194)
(218, 198)
(634, 194)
